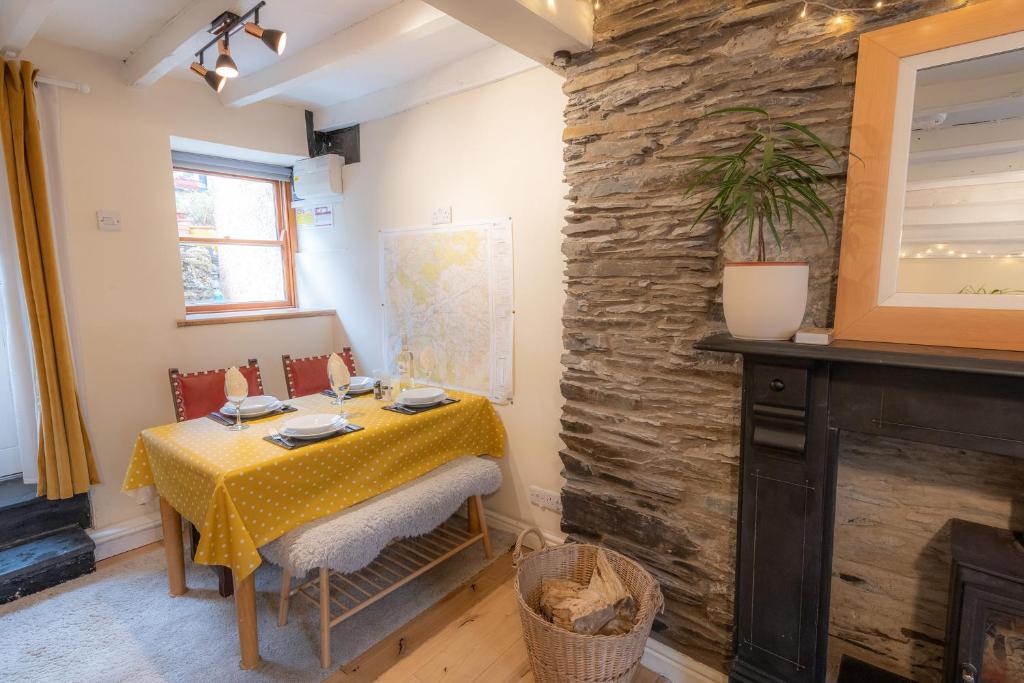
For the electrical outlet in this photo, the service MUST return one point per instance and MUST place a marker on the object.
(546, 499)
(441, 216)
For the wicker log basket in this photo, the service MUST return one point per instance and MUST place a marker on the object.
(560, 656)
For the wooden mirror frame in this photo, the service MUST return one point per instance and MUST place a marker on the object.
(858, 314)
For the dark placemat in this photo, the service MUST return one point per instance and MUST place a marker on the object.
(291, 444)
(350, 394)
(407, 410)
(228, 420)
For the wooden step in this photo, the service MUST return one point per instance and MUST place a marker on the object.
(40, 562)
(24, 515)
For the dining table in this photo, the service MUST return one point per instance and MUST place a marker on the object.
(242, 490)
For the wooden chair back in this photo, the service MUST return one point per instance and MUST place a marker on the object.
(305, 376)
(196, 394)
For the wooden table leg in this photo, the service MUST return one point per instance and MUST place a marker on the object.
(171, 522)
(245, 607)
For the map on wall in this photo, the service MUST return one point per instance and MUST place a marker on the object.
(447, 292)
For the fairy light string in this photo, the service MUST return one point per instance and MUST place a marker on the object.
(841, 14)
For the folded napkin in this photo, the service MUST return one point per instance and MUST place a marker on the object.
(337, 371)
(235, 384)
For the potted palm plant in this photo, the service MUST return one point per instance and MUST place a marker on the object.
(762, 189)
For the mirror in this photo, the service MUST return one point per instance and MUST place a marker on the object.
(955, 215)
(933, 233)
(963, 209)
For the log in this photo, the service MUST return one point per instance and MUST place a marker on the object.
(555, 591)
(603, 606)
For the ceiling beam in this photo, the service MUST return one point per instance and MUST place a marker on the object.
(535, 28)
(177, 41)
(478, 69)
(19, 22)
(388, 30)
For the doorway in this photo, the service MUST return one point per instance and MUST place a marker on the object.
(10, 453)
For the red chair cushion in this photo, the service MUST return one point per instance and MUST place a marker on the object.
(203, 393)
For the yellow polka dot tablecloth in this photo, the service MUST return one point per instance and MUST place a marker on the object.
(242, 492)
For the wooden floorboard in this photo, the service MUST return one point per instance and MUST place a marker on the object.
(473, 635)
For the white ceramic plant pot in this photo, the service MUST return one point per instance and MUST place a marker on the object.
(764, 301)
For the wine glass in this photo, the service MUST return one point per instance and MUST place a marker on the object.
(236, 400)
(428, 364)
(340, 387)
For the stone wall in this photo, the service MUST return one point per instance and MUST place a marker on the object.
(650, 426)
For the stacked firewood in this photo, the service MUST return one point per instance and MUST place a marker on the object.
(603, 607)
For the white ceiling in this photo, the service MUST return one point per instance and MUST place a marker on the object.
(119, 28)
(389, 68)
(109, 27)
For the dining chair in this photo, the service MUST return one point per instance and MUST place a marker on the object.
(196, 394)
(305, 376)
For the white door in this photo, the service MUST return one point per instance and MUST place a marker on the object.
(10, 456)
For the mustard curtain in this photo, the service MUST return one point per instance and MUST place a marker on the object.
(66, 465)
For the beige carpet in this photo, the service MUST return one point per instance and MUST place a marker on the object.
(119, 624)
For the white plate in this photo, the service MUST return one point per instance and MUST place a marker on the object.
(309, 426)
(423, 396)
(254, 406)
(305, 437)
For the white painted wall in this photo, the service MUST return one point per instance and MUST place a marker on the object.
(490, 152)
(125, 289)
(495, 151)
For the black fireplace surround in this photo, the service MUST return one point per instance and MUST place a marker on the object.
(797, 400)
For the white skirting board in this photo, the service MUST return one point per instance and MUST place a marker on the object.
(127, 535)
(677, 667)
(658, 657)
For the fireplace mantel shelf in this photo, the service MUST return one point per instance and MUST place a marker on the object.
(980, 361)
(798, 400)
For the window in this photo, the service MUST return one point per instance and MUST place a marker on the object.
(235, 241)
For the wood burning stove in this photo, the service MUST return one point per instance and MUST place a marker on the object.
(985, 625)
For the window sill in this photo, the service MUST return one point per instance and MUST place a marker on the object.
(193, 319)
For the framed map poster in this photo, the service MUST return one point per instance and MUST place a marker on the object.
(447, 292)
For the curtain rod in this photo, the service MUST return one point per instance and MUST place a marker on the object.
(49, 80)
(70, 85)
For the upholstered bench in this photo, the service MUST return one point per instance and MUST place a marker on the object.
(368, 550)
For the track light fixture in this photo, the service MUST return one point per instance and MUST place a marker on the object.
(226, 66)
(222, 27)
(271, 37)
(213, 79)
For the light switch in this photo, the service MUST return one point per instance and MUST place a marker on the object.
(110, 221)
(441, 216)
